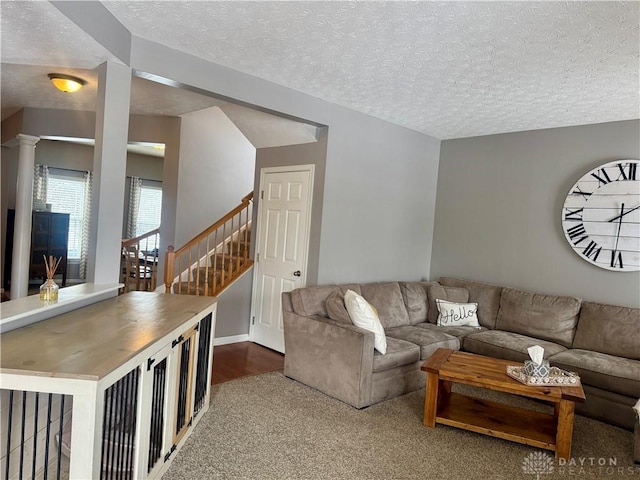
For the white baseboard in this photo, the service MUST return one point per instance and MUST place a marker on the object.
(231, 339)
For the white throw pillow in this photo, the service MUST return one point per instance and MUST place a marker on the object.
(364, 316)
(453, 314)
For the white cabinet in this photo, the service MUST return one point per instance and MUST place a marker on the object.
(136, 371)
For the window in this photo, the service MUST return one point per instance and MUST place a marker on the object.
(149, 208)
(66, 194)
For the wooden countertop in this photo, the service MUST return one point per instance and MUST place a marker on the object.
(93, 341)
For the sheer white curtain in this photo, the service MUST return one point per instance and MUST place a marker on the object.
(88, 194)
(134, 206)
(40, 182)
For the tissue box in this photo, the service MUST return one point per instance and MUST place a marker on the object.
(534, 370)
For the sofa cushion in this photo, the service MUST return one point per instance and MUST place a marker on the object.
(416, 300)
(609, 329)
(334, 304)
(428, 340)
(487, 297)
(448, 294)
(608, 372)
(507, 345)
(455, 331)
(364, 316)
(399, 353)
(387, 299)
(311, 300)
(548, 317)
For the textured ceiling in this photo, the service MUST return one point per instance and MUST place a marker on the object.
(29, 86)
(37, 39)
(448, 69)
(36, 33)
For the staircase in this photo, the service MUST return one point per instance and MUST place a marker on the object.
(212, 260)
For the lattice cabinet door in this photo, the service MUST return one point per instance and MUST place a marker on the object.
(119, 422)
(156, 396)
(203, 371)
(193, 358)
(185, 348)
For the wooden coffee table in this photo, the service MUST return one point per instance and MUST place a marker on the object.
(542, 430)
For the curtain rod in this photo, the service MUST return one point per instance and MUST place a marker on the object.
(85, 171)
(66, 169)
(142, 178)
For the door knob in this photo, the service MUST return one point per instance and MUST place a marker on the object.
(297, 273)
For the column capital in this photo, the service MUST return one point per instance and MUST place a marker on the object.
(23, 138)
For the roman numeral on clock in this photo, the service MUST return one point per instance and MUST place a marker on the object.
(616, 259)
(602, 177)
(576, 215)
(592, 251)
(628, 171)
(577, 233)
(585, 195)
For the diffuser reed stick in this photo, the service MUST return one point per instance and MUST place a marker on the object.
(49, 289)
(51, 265)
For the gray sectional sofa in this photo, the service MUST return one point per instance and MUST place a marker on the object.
(326, 351)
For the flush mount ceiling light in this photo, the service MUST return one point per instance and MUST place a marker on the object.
(66, 83)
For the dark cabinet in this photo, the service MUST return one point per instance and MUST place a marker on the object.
(49, 236)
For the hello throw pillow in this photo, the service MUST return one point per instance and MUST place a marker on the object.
(364, 316)
(451, 314)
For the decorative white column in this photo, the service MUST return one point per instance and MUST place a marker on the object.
(22, 222)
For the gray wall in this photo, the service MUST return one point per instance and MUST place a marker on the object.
(498, 213)
(304, 154)
(11, 126)
(234, 308)
(380, 183)
(379, 201)
(64, 155)
(80, 157)
(144, 166)
(216, 170)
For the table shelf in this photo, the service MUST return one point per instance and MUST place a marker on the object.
(498, 420)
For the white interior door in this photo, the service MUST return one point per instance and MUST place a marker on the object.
(281, 249)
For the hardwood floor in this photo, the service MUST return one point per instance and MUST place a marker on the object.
(242, 359)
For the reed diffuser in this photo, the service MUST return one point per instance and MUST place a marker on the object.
(49, 289)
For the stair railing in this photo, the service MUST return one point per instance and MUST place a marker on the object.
(139, 262)
(213, 259)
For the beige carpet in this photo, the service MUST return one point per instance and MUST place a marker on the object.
(271, 427)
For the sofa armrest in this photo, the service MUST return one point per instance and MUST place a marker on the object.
(333, 357)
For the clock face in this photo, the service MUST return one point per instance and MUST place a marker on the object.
(601, 216)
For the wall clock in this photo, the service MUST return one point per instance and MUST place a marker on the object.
(601, 216)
